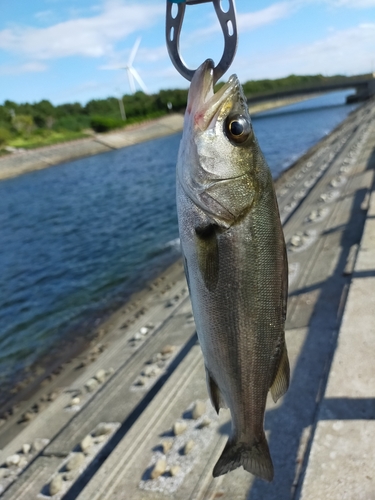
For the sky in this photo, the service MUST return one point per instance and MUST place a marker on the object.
(73, 50)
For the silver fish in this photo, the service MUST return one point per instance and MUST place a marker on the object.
(235, 263)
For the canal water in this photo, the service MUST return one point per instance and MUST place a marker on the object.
(79, 238)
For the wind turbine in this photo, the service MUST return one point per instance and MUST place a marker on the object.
(133, 73)
(121, 104)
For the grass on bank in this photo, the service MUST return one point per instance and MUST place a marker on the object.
(39, 137)
(47, 139)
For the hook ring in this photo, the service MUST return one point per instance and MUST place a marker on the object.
(228, 25)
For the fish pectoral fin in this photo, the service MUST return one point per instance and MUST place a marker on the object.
(280, 382)
(254, 458)
(214, 392)
(208, 255)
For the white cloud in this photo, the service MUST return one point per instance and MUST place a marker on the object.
(164, 77)
(86, 36)
(252, 20)
(248, 21)
(349, 51)
(153, 55)
(84, 88)
(149, 55)
(353, 4)
(44, 15)
(30, 67)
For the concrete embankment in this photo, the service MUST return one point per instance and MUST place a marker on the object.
(36, 159)
(130, 418)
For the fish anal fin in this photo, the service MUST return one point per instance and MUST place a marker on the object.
(208, 255)
(280, 382)
(254, 458)
(216, 397)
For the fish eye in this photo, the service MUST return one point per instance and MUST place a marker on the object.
(237, 128)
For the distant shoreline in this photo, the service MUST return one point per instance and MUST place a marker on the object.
(23, 162)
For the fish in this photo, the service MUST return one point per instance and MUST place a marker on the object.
(235, 262)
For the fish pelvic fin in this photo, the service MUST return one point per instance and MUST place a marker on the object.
(254, 458)
(280, 382)
(214, 392)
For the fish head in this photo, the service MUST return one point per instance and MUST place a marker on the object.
(217, 165)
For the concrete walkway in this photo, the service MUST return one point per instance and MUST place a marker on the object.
(341, 465)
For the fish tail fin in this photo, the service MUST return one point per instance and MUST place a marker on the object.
(255, 458)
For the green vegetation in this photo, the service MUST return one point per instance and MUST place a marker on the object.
(105, 123)
(5, 136)
(32, 125)
(291, 82)
(46, 138)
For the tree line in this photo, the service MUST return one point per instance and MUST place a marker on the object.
(38, 121)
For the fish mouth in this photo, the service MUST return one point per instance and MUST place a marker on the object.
(203, 104)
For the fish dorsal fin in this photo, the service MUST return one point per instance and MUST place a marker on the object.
(208, 255)
(216, 397)
(280, 382)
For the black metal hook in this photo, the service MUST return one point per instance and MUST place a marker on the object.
(173, 29)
